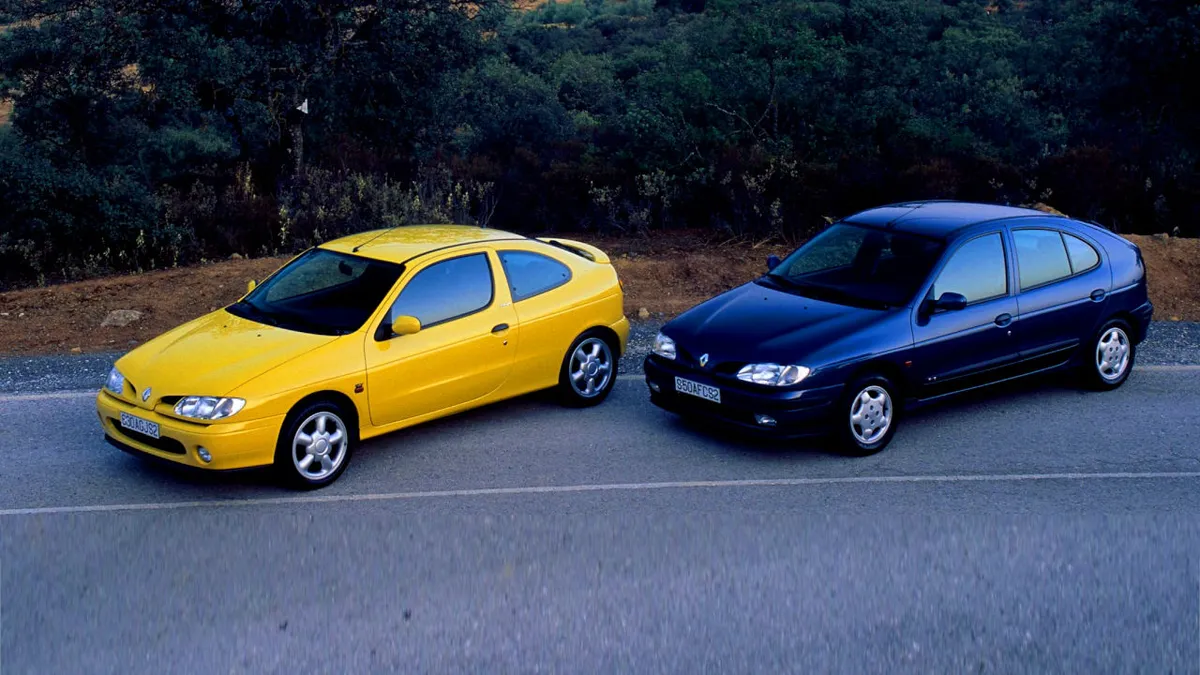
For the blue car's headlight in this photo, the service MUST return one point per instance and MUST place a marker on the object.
(664, 347)
(773, 374)
(208, 407)
(116, 381)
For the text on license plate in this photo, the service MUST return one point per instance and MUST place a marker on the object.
(698, 390)
(139, 425)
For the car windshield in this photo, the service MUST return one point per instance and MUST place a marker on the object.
(322, 292)
(860, 266)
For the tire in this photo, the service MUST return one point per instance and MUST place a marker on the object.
(319, 421)
(588, 372)
(872, 399)
(1108, 357)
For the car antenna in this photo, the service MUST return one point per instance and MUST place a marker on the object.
(383, 232)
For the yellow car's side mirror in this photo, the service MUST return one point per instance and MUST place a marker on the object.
(250, 286)
(406, 325)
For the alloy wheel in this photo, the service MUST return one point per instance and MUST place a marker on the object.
(320, 444)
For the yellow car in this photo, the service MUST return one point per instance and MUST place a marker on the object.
(369, 334)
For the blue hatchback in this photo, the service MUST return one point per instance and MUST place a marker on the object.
(902, 305)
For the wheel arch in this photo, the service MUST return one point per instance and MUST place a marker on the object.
(883, 367)
(608, 334)
(341, 400)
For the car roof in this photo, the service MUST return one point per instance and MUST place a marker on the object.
(939, 218)
(401, 244)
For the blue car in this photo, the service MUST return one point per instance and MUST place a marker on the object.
(899, 306)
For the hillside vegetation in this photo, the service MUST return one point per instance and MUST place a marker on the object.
(150, 134)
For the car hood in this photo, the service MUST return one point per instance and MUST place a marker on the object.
(756, 323)
(211, 356)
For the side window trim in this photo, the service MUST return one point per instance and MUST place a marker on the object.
(387, 315)
(508, 278)
(1070, 265)
(1008, 282)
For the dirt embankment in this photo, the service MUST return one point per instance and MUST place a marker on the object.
(664, 275)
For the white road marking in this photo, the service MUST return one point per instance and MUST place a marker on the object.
(603, 487)
(50, 396)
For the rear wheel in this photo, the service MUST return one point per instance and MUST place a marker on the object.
(589, 371)
(1109, 360)
(867, 416)
(314, 446)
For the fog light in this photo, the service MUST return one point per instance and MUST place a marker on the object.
(204, 456)
(655, 388)
(764, 420)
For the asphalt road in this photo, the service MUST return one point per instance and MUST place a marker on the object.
(1034, 529)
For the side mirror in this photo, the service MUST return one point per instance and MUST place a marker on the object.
(772, 262)
(250, 286)
(950, 302)
(406, 325)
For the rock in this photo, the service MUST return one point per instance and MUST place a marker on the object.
(643, 313)
(236, 256)
(1162, 236)
(1176, 318)
(120, 318)
(76, 350)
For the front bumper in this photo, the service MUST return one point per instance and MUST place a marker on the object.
(233, 445)
(797, 413)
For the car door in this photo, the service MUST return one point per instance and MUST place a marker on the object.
(548, 312)
(959, 349)
(1063, 290)
(464, 350)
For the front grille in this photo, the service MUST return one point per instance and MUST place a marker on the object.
(162, 443)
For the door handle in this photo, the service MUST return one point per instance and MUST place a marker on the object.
(1003, 320)
(1098, 295)
(500, 328)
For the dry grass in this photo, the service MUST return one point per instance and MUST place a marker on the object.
(664, 275)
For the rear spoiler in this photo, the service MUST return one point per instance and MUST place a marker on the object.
(578, 248)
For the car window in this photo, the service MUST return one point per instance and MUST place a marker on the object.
(853, 264)
(1041, 257)
(976, 270)
(1083, 256)
(446, 290)
(322, 292)
(530, 274)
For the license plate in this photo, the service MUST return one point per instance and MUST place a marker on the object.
(139, 425)
(698, 390)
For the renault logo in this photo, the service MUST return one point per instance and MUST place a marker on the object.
(703, 360)
(146, 394)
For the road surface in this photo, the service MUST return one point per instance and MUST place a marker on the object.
(1038, 528)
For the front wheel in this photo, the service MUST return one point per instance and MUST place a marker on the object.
(589, 371)
(867, 416)
(1109, 360)
(314, 446)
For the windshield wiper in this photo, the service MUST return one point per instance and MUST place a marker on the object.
(820, 292)
(254, 313)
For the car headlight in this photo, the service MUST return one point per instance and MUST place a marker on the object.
(116, 381)
(664, 346)
(773, 374)
(208, 407)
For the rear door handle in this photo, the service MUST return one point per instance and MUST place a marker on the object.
(1098, 294)
(1003, 320)
(500, 328)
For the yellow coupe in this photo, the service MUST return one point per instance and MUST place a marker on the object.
(368, 334)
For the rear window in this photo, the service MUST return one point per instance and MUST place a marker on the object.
(1083, 256)
(531, 274)
(1041, 257)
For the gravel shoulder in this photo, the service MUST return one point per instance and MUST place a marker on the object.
(1169, 343)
